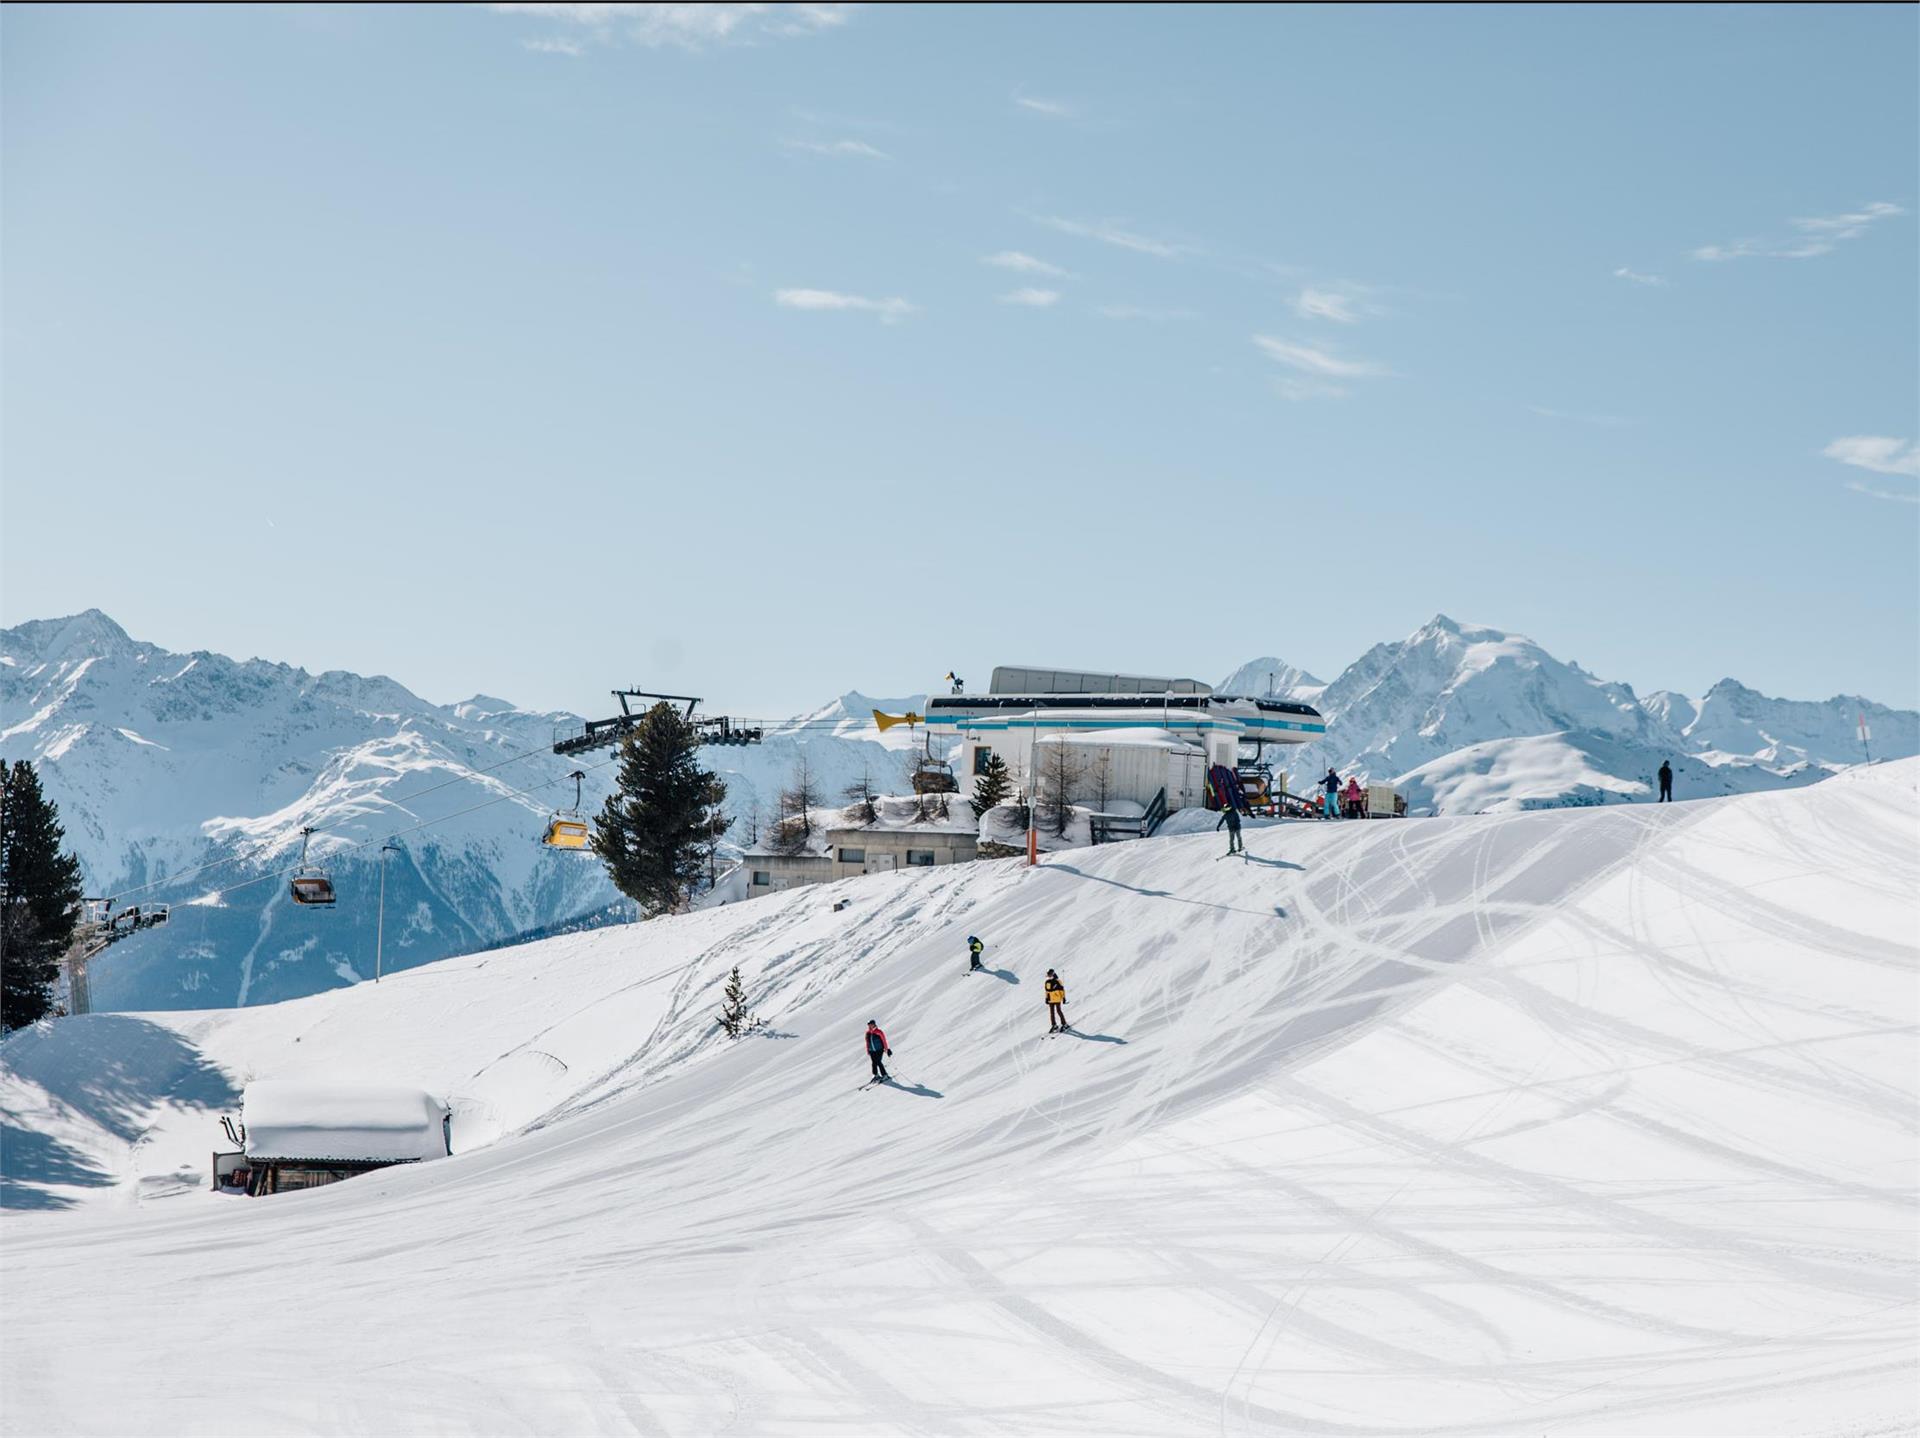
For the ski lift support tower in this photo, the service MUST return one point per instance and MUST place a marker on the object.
(605, 733)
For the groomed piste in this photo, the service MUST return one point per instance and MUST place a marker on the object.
(1572, 1122)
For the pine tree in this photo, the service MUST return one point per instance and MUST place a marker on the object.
(993, 786)
(654, 831)
(734, 1019)
(39, 897)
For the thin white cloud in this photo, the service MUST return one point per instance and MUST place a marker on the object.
(1603, 421)
(1310, 360)
(1024, 263)
(1058, 109)
(1315, 304)
(1145, 312)
(1032, 299)
(559, 45)
(1877, 452)
(1820, 235)
(1878, 493)
(689, 26)
(889, 310)
(1846, 226)
(858, 149)
(1299, 390)
(1635, 277)
(1112, 232)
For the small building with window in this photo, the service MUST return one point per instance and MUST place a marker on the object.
(295, 1134)
(876, 850)
(909, 832)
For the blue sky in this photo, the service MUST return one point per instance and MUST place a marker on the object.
(539, 349)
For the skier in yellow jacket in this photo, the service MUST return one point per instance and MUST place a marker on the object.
(1056, 1004)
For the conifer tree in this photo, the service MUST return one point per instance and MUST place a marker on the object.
(993, 786)
(734, 1019)
(860, 796)
(654, 831)
(39, 897)
(796, 804)
(1057, 772)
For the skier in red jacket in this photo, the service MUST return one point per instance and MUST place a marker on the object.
(877, 1049)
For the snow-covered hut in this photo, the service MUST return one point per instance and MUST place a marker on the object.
(1107, 768)
(299, 1134)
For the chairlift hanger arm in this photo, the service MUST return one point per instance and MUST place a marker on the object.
(623, 695)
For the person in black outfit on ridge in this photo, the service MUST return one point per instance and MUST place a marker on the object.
(1230, 816)
(1666, 782)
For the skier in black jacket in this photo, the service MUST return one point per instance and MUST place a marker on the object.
(877, 1049)
(1230, 816)
(1666, 782)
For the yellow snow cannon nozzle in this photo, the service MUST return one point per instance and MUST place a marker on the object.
(887, 721)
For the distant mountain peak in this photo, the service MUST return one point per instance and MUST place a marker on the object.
(89, 633)
(1269, 676)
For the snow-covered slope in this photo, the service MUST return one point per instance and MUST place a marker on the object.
(1589, 1121)
(1464, 715)
(193, 774)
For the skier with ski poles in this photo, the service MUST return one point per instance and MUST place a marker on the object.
(974, 950)
(1332, 785)
(877, 1050)
(1230, 816)
(1056, 1004)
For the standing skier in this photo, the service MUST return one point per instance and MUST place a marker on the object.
(974, 950)
(877, 1050)
(1230, 816)
(1666, 782)
(1332, 785)
(1056, 1003)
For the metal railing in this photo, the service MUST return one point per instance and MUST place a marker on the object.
(1109, 828)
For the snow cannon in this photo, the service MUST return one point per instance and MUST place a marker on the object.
(889, 721)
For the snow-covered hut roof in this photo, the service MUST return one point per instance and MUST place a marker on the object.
(374, 1123)
(1122, 738)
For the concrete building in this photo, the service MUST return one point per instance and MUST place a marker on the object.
(1179, 718)
(905, 834)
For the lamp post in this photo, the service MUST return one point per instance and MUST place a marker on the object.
(380, 925)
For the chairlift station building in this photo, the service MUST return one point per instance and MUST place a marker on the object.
(1142, 734)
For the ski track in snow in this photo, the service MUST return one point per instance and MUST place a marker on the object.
(1591, 1121)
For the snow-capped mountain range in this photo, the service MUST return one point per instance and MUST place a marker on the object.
(1465, 719)
(187, 778)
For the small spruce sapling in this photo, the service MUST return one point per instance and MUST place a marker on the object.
(734, 1018)
(993, 786)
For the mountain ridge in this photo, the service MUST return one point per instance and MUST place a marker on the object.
(186, 777)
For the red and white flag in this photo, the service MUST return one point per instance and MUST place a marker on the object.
(1865, 733)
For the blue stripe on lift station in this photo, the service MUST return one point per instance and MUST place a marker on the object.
(1166, 723)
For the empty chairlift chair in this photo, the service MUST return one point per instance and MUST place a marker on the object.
(567, 829)
(311, 885)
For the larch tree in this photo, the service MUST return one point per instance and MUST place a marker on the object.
(797, 803)
(1057, 772)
